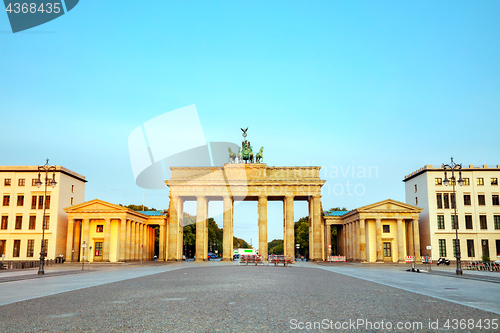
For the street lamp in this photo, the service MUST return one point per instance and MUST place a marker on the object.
(51, 182)
(455, 167)
(84, 245)
(297, 246)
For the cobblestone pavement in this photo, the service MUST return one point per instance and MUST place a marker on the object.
(216, 297)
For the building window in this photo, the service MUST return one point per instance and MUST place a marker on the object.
(470, 248)
(387, 250)
(6, 200)
(468, 221)
(498, 247)
(32, 224)
(486, 247)
(2, 246)
(46, 246)
(438, 181)
(33, 202)
(454, 222)
(72, 201)
(17, 247)
(19, 222)
(415, 188)
(386, 228)
(452, 199)
(466, 181)
(467, 200)
(440, 221)
(480, 181)
(33, 182)
(494, 181)
(21, 182)
(47, 222)
(20, 200)
(47, 202)
(446, 200)
(442, 247)
(7, 181)
(31, 248)
(494, 199)
(40, 202)
(5, 222)
(416, 201)
(99, 228)
(455, 247)
(481, 200)
(98, 249)
(439, 198)
(482, 222)
(496, 222)
(72, 188)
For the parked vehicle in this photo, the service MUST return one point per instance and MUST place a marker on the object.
(443, 261)
(211, 256)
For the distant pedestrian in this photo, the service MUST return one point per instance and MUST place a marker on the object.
(302, 258)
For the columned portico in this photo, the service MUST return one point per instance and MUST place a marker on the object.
(201, 228)
(378, 232)
(114, 232)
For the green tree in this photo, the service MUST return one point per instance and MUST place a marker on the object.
(276, 246)
(301, 229)
(138, 208)
(239, 243)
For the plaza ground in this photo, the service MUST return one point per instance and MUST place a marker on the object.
(221, 296)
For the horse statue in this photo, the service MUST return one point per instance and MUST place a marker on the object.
(232, 156)
(240, 157)
(259, 157)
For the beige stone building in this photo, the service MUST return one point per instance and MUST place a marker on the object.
(21, 211)
(113, 233)
(478, 210)
(385, 231)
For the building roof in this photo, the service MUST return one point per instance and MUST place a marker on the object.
(335, 213)
(33, 168)
(152, 212)
(471, 167)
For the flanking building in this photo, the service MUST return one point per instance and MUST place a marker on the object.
(478, 210)
(21, 211)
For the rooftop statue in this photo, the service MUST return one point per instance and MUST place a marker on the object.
(245, 152)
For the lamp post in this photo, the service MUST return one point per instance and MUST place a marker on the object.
(297, 246)
(455, 167)
(51, 182)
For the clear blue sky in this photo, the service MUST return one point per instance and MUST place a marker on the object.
(389, 84)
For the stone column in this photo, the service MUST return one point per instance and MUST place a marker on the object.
(416, 241)
(328, 240)
(107, 233)
(121, 240)
(289, 246)
(227, 234)
(311, 226)
(173, 228)
(362, 241)
(201, 228)
(77, 240)
(355, 241)
(161, 250)
(379, 245)
(70, 241)
(86, 236)
(317, 228)
(144, 245)
(263, 226)
(401, 253)
(347, 241)
(409, 235)
(132, 240)
(127, 241)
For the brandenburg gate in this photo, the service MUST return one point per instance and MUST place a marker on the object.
(244, 182)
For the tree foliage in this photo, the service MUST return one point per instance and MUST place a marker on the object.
(138, 208)
(276, 246)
